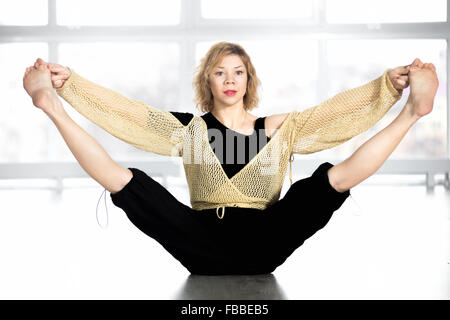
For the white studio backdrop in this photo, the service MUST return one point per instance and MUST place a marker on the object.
(304, 53)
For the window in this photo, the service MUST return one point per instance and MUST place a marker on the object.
(23, 13)
(385, 11)
(23, 127)
(114, 13)
(148, 51)
(362, 60)
(147, 72)
(257, 9)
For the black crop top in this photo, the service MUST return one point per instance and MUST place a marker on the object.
(226, 151)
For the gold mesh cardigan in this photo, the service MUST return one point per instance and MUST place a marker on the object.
(259, 183)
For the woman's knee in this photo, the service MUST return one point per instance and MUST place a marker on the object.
(122, 179)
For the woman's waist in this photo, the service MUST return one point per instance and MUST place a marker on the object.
(233, 210)
(235, 206)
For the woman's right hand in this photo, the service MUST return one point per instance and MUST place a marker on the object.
(59, 73)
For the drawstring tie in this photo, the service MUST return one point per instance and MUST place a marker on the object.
(230, 204)
(291, 159)
(96, 211)
(223, 212)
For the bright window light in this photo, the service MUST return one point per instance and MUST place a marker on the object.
(114, 12)
(385, 11)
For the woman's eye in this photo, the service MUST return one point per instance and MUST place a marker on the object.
(220, 72)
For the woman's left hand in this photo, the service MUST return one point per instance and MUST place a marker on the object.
(399, 77)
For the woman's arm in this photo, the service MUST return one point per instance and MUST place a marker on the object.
(132, 121)
(344, 116)
(368, 158)
(91, 156)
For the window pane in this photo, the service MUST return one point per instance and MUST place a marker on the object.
(23, 12)
(385, 11)
(23, 127)
(107, 12)
(287, 82)
(147, 72)
(352, 63)
(257, 9)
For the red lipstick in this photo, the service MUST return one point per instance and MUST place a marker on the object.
(230, 92)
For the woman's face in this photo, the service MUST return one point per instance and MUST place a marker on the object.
(229, 74)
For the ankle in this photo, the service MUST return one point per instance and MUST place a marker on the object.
(42, 96)
(410, 111)
(46, 100)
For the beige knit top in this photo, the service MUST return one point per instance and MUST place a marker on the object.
(259, 183)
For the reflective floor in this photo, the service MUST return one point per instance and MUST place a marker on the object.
(255, 287)
(386, 242)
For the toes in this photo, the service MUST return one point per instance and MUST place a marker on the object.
(40, 61)
(37, 64)
(417, 63)
(430, 66)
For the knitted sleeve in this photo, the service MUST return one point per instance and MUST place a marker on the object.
(132, 121)
(343, 116)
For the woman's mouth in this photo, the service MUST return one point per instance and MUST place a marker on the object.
(230, 92)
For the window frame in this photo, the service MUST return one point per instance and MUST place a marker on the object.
(193, 28)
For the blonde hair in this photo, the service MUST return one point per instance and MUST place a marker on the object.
(204, 99)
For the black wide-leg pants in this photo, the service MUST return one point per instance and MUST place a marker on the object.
(246, 240)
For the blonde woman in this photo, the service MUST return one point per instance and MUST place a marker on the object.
(235, 162)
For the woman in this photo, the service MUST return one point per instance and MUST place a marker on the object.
(245, 171)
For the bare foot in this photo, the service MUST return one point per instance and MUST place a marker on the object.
(59, 73)
(423, 87)
(38, 85)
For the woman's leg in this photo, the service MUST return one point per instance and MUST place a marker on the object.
(373, 153)
(309, 203)
(88, 152)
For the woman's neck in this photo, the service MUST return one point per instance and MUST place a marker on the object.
(232, 117)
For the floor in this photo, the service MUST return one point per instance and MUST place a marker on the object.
(385, 242)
